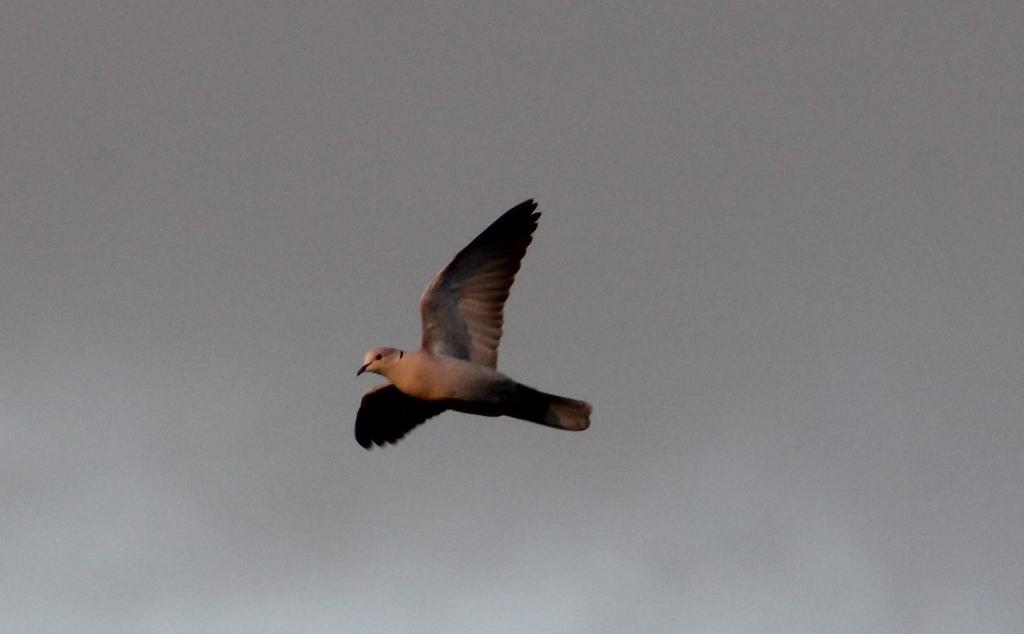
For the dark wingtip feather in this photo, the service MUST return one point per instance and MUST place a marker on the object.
(524, 215)
(526, 208)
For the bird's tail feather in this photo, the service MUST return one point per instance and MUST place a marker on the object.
(526, 403)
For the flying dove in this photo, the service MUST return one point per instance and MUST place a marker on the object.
(455, 367)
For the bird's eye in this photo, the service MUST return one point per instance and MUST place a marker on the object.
(378, 358)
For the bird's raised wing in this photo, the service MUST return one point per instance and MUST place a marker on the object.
(386, 414)
(462, 307)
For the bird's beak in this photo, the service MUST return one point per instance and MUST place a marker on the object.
(362, 369)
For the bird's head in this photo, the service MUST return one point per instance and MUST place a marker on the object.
(379, 360)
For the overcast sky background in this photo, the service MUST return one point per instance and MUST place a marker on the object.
(781, 254)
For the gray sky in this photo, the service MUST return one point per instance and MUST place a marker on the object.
(780, 254)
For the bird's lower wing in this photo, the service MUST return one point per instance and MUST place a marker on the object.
(386, 414)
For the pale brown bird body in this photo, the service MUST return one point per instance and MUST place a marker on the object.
(455, 368)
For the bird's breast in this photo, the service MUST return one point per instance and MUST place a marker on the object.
(438, 378)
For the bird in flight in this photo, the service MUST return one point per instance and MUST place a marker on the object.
(455, 367)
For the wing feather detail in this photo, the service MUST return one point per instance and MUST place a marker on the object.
(463, 306)
(386, 415)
